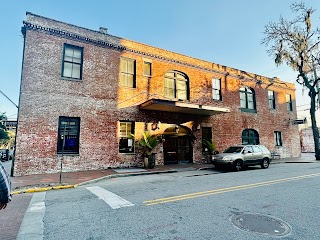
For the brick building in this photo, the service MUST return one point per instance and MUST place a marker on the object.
(97, 89)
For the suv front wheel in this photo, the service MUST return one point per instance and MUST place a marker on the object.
(265, 163)
(238, 165)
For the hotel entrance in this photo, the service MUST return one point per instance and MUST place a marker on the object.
(177, 145)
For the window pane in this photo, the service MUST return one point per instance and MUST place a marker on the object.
(169, 74)
(250, 105)
(243, 103)
(130, 67)
(180, 76)
(123, 79)
(68, 52)
(77, 55)
(169, 83)
(182, 95)
(67, 70)
(181, 85)
(169, 93)
(129, 80)
(76, 71)
(147, 68)
(123, 65)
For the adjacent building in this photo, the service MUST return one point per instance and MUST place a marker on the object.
(88, 96)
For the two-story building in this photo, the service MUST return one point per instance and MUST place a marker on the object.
(91, 91)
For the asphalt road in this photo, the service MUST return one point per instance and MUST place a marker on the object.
(279, 202)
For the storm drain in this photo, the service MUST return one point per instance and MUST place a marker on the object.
(261, 224)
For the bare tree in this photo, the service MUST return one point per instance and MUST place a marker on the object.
(296, 43)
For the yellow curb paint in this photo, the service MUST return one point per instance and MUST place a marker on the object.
(224, 190)
(32, 190)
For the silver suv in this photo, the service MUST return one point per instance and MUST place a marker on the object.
(240, 156)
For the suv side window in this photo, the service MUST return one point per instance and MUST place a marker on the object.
(248, 150)
(256, 149)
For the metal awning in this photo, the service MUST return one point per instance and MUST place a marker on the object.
(181, 107)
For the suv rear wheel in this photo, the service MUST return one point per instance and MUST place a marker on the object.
(238, 165)
(265, 163)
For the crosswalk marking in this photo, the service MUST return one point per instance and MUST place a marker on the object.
(113, 200)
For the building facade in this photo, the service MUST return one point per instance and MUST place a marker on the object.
(85, 94)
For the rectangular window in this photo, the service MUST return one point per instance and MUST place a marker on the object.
(128, 72)
(72, 62)
(126, 141)
(68, 135)
(147, 68)
(289, 102)
(272, 100)
(278, 138)
(216, 89)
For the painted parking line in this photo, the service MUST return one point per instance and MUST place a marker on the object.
(113, 200)
(224, 190)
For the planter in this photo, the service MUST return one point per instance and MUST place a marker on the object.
(150, 162)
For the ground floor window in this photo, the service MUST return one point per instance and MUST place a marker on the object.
(250, 136)
(126, 141)
(278, 138)
(68, 135)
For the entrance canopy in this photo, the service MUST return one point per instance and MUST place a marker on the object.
(181, 107)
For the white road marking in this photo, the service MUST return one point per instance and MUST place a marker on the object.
(32, 226)
(113, 200)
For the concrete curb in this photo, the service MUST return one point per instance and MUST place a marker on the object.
(43, 189)
(125, 175)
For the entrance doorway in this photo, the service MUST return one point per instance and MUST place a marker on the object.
(177, 147)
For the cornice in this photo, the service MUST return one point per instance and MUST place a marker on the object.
(117, 47)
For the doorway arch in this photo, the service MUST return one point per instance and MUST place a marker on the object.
(177, 145)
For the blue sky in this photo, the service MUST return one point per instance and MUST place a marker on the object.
(227, 32)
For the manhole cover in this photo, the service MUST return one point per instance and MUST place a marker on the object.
(261, 224)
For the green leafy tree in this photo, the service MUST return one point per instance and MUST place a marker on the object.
(4, 136)
(296, 43)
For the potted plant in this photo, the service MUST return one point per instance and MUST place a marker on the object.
(211, 149)
(148, 143)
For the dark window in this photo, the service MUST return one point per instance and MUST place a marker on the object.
(126, 141)
(247, 99)
(147, 68)
(278, 138)
(128, 72)
(250, 136)
(176, 85)
(69, 129)
(289, 102)
(272, 100)
(72, 62)
(216, 89)
(206, 135)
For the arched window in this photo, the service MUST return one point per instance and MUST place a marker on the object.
(247, 99)
(176, 85)
(250, 136)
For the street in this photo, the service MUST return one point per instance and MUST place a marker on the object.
(279, 202)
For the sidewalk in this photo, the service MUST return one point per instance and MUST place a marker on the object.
(44, 182)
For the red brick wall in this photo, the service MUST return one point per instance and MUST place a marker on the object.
(100, 103)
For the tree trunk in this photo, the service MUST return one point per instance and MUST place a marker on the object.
(314, 127)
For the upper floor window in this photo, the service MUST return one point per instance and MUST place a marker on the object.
(216, 89)
(126, 142)
(250, 136)
(72, 62)
(176, 85)
(147, 68)
(68, 135)
(289, 102)
(278, 138)
(128, 72)
(272, 99)
(247, 99)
